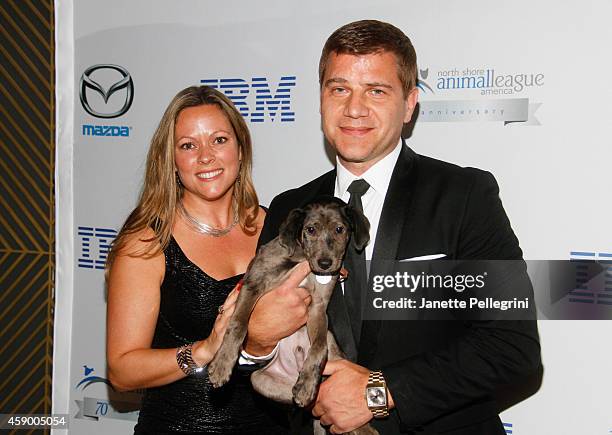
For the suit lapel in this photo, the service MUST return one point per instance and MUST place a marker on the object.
(325, 187)
(388, 237)
(340, 324)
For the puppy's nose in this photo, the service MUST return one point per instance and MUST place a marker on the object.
(324, 263)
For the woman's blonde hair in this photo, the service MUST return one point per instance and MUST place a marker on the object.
(161, 190)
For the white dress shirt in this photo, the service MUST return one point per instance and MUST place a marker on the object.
(378, 177)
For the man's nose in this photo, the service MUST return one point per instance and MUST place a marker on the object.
(356, 107)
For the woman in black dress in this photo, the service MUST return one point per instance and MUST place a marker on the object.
(174, 271)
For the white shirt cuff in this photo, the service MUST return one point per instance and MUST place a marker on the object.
(248, 359)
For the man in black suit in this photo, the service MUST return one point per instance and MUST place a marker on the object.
(439, 376)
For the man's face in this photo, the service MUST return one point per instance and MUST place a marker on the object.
(363, 108)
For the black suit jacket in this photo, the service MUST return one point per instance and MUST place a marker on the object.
(441, 374)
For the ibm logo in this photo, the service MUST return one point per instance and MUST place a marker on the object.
(95, 244)
(590, 292)
(508, 428)
(276, 104)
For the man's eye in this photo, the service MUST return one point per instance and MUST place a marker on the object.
(339, 229)
(377, 92)
(310, 230)
(339, 90)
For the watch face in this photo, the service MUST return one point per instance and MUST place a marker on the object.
(376, 396)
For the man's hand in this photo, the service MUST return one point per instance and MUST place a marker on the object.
(341, 401)
(279, 313)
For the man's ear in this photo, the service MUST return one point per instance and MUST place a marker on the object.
(410, 102)
(360, 226)
(291, 230)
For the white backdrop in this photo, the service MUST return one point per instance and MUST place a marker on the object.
(518, 88)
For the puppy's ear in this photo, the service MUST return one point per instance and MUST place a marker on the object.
(290, 231)
(360, 226)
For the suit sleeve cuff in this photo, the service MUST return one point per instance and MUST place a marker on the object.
(402, 397)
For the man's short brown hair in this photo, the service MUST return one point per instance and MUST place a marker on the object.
(372, 36)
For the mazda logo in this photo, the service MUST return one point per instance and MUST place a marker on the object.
(88, 82)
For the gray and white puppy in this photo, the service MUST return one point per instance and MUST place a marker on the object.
(318, 233)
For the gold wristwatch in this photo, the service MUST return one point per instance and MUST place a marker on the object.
(376, 395)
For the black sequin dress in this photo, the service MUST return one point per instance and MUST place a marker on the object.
(189, 302)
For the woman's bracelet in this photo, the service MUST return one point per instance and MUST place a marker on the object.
(186, 362)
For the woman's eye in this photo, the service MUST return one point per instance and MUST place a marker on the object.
(339, 230)
(310, 230)
(187, 145)
(220, 140)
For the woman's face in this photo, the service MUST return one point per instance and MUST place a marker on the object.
(206, 152)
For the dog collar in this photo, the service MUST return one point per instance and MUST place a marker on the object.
(323, 279)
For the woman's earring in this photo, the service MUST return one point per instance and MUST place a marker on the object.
(178, 179)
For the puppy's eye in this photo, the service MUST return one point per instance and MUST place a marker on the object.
(339, 229)
(310, 230)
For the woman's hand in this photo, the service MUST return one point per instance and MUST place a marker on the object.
(203, 351)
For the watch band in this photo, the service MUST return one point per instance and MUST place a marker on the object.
(185, 361)
(380, 413)
(376, 377)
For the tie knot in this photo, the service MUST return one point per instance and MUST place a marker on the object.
(358, 187)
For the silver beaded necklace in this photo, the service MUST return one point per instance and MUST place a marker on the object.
(203, 228)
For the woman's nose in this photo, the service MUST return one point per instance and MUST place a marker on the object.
(206, 156)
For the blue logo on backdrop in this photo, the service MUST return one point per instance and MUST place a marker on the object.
(123, 406)
(95, 244)
(106, 130)
(483, 81)
(88, 380)
(508, 428)
(487, 81)
(589, 292)
(275, 101)
(422, 84)
(106, 91)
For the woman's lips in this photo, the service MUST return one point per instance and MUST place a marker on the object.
(209, 175)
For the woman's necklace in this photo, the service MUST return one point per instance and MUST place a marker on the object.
(203, 228)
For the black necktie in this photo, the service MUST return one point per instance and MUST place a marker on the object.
(355, 262)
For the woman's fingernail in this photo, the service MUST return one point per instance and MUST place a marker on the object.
(239, 286)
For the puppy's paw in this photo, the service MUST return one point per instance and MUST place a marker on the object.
(305, 389)
(219, 372)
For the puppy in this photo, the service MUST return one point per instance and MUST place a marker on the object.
(318, 233)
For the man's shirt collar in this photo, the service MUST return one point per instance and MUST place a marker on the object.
(378, 176)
